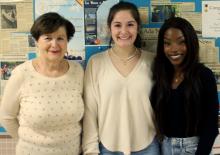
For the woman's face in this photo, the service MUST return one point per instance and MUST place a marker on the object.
(53, 46)
(174, 46)
(124, 29)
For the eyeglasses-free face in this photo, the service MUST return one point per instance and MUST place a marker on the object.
(174, 46)
(124, 29)
(53, 46)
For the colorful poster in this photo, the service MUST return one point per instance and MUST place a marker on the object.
(96, 29)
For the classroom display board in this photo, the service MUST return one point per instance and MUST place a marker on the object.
(92, 34)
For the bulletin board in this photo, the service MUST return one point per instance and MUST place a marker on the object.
(92, 35)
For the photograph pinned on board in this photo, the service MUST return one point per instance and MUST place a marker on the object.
(7, 67)
(8, 17)
(159, 13)
(31, 42)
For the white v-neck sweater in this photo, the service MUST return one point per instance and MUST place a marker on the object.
(44, 113)
(118, 112)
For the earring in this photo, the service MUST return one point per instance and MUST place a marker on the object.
(66, 55)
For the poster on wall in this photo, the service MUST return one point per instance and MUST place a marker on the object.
(96, 29)
(210, 18)
(72, 10)
(14, 43)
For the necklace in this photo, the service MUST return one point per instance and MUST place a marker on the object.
(125, 60)
(178, 78)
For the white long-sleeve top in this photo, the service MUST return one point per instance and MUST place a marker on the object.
(44, 113)
(118, 112)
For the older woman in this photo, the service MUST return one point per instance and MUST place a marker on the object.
(46, 108)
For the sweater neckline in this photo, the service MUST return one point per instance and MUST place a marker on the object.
(117, 73)
(47, 77)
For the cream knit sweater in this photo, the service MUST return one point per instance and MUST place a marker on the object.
(118, 112)
(44, 113)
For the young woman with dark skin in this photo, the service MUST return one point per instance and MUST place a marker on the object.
(184, 95)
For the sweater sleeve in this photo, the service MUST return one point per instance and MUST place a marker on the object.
(10, 103)
(90, 122)
(210, 114)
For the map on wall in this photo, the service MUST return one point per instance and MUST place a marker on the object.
(72, 10)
